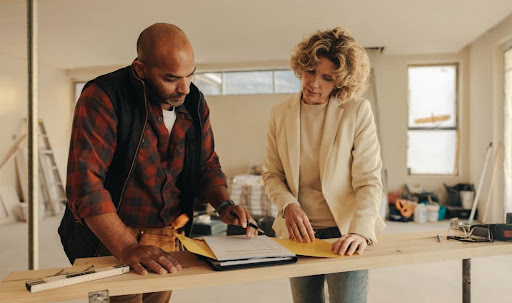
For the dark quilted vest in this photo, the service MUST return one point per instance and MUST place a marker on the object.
(127, 93)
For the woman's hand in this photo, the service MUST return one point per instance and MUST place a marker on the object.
(349, 244)
(299, 227)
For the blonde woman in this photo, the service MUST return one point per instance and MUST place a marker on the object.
(323, 161)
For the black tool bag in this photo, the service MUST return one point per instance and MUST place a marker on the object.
(76, 238)
(454, 193)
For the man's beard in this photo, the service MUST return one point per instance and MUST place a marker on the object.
(173, 99)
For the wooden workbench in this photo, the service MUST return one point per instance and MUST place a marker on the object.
(392, 250)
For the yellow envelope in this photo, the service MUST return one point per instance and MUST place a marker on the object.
(198, 247)
(318, 248)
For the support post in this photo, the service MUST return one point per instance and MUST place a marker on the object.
(33, 137)
(466, 280)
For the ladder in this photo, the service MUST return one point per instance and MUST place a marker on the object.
(50, 180)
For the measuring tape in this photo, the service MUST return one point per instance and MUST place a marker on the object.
(74, 278)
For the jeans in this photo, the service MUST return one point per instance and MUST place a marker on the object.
(344, 287)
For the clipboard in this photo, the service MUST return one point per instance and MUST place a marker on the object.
(237, 252)
(248, 263)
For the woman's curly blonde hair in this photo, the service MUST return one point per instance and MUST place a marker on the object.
(338, 46)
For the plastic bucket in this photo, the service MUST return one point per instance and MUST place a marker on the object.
(432, 213)
(466, 198)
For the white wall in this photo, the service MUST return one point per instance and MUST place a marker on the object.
(240, 128)
(13, 84)
(486, 103)
(56, 109)
(240, 122)
(391, 86)
(54, 93)
(13, 109)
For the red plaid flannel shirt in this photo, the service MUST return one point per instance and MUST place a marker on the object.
(151, 196)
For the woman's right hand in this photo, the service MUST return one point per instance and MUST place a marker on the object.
(297, 222)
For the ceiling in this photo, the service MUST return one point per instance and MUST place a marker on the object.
(75, 34)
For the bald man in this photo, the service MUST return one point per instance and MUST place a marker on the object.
(141, 154)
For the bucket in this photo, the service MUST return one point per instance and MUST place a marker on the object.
(466, 198)
(433, 212)
(420, 213)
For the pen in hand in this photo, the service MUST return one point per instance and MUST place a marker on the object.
(249, 223)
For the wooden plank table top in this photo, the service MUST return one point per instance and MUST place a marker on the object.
(392, 250)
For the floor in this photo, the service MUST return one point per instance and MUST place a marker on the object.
(434, 282)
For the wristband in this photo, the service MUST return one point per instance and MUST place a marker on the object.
(224, 204)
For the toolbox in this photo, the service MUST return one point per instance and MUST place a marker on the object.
(499, 231)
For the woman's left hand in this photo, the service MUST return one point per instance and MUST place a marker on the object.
(349, 244)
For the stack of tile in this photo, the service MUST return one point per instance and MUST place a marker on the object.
(248, 191)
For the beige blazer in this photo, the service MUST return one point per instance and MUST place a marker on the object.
(350, 164)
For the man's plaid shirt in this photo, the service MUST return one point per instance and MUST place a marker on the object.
(151, 196)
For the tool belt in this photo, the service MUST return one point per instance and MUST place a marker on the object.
(164, 238)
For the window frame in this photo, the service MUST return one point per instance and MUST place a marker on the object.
(455, 128)
(223, 79)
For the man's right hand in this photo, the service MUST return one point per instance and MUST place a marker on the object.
(297, 222)
(139, 257)
(120, 242)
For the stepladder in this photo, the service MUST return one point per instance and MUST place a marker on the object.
(51, 183)
(51, 188)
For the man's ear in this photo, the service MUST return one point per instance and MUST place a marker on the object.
(140, 68)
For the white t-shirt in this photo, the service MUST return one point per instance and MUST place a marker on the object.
(169, 119)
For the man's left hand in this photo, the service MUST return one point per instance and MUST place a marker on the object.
(349, 244)
(238, 215)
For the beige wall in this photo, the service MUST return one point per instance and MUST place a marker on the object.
(56, 108)
(240, 122)
(13, 84)
(13, 109)
(54, 96)
(486, 103)
(240, 127)
(391, 86)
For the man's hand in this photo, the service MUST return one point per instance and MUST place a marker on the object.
(119, 241)
(349, 244)
(238, 215)
(297, 222)
(139, 257)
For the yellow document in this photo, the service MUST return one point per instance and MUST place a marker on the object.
(198, 247)
(318, 248)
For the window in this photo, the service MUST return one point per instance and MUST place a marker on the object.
(253, 82)
(285, 81)
(432, 131)
(209, 83)
(250, 82)
(247, 82)
(79, 86)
